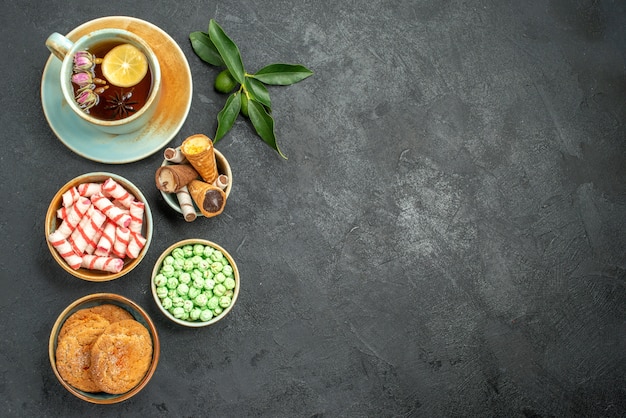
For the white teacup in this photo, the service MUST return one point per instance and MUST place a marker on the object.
(65, 50)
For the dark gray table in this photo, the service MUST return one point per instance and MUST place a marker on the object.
(447, 237)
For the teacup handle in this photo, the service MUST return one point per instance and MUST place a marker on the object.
(59, 45)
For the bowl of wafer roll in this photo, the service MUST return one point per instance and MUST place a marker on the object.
(98, 226)
(104, 348)
(195, 179)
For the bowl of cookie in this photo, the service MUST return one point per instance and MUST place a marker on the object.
(104, 348)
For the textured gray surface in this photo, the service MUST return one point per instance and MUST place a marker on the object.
(447, 237)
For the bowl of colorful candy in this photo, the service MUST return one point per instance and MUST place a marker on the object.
(98, 226)
(195, 282)
(104, 348)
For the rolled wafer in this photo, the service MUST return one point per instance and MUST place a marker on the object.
(88, 189)
(122, 237)
(135, 243)
(136, 216)
(221, 181)
(210, 199)
(171, 178)
(113, 212)
(74, 215)
(198, 149)
(65, 250)
(109, 264)
(70, 196)
(174, 155)
(87, 229)
(114, 190)
(107, 239)
(186, 204)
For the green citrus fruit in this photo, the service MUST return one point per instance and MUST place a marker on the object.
(244, 104)
(224, 82)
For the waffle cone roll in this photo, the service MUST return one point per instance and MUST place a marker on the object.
(172, 178)
(198, 149)
(210, 199)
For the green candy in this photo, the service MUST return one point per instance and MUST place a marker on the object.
(206, 315)
(195, 283)
(182, 289)
(162, 292)
(229, 283)
(167, 270)
(213, 303)
(188, 251)
(172, 283)
(160, 280)
(201, 300)
(178, 253)
(227, 270)
(193, 292)
(184, 277)
(224, 302)
(198, 249)
(207, 251)
(216, 267)
(219, 289)
(187, 305)
(220, 277)
(194, 315)
(178, 312)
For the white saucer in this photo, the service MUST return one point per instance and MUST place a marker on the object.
(93, 144)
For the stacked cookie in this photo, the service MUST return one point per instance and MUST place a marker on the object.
(103, 349)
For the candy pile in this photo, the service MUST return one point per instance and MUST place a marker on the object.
(195, 282)
(100, 225)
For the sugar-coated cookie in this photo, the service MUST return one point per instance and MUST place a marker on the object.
(121, 356)
(73, 352)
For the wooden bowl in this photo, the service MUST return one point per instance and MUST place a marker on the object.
(51, 223)
(138, 314)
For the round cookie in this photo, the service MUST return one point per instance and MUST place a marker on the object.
(81, 318)
(110, 312)
(121, 356)
(73, 352)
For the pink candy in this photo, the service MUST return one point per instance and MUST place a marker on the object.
(100, 225)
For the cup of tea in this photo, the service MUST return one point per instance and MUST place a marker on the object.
(110, 78)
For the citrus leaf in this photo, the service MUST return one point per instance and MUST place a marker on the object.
(205, 49)
(228, 51)
(258, 91)
(282, 74)
(263, 124)
(226, 117)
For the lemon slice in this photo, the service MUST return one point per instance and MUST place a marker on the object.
(124, 66)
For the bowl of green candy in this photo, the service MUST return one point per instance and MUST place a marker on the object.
(195, 282)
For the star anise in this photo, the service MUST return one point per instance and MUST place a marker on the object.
(120, 104)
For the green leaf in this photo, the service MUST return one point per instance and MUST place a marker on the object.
(263, 124)
(228, 51)
(258, 91)
(282, 74)
(205, 49)
(226, 117)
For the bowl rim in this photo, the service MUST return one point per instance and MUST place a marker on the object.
(170, 198)
(94, 275)
(95, 299)
(157, 265)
